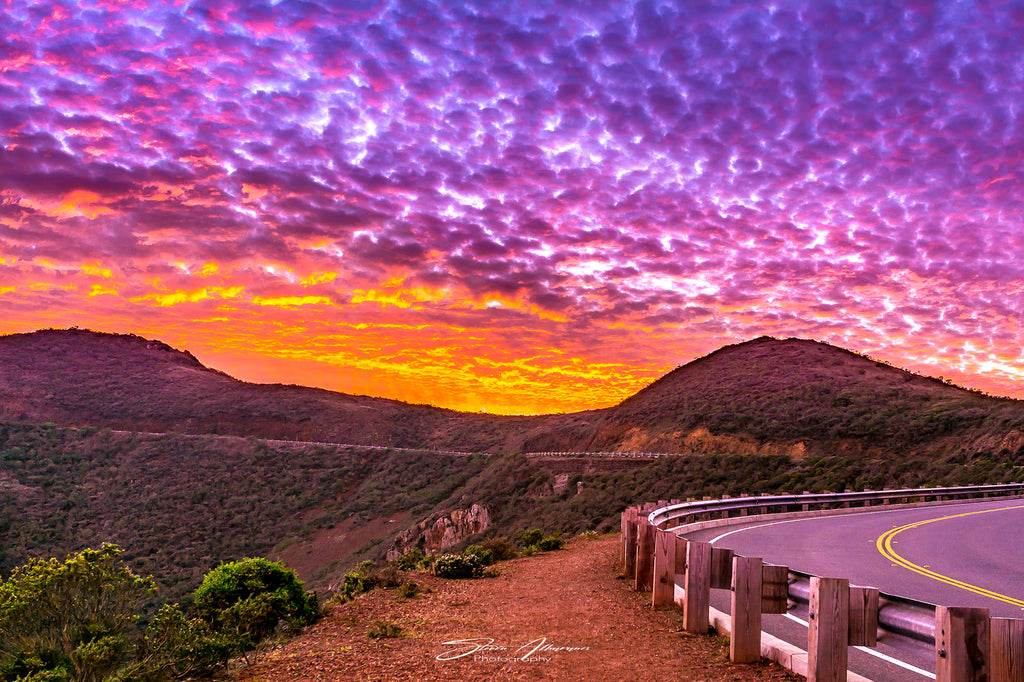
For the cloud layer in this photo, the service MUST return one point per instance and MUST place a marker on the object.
(532, 209)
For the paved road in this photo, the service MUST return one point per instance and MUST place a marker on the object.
(976, 544)
(964, 554)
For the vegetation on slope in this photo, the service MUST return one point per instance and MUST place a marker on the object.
(181, 505)
(81, 619)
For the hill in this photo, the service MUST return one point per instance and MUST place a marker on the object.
(180, 505)
(799, 397)
(125, 382)
(768, 396)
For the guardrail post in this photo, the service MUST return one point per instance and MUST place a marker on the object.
(644, 556)
(774, 588)
(664, 589)
(629, 536)
(721, 568)
(828, 630)
(697, 601)
(863, 616)
(962, 644)
(1007, 649)
(745, 642)
(680, 577)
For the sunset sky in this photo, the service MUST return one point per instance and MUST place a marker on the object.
(517, 207)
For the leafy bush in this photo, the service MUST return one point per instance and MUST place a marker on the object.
(500, 548)
(456, 566)
(410, 561)
(550, 543)
(530, 537)
(245, 600)
(178, 647)
(71, 619)
(384, 629)
(407, 590)
(366, 577)
(485, 556)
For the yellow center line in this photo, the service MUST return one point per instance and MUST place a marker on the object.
(884, 545)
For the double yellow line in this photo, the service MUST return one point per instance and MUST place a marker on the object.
(884, 545)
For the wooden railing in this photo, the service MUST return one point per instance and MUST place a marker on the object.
(969, 645)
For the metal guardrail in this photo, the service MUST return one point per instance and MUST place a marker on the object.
(964, 641)
(706, 508)
(898, 615)
(609, 455)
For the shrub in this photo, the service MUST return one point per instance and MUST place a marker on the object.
(550, 543)
(485, 556)
(501, 549)
(75, 618)
(178, 647)
(246, 600)
(530, 537)
(410, 561)
(366, 577)
(384, 629)
(457, 566)
(407, 590)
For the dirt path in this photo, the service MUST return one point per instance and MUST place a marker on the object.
(564, 615)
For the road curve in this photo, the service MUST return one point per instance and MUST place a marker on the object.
(935, 554)
(932, 554)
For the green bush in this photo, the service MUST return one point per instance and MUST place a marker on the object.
(384, 629)
(366, 577)
(550, 543)
(485, 556)
(407, 590)
(178, 647)
(456, 566)
(246, 600)
(530, 537)
(72, 619)
(410, 561)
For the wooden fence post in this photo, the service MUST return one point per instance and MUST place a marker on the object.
(681, 544)
(644, 578)
(629, 537)
(863, 616)
(697, 602)
(1007, 649)
(828, 630)
(721, 568)
(962, 644)
(774, 588)
(664, 588)
(745, 642)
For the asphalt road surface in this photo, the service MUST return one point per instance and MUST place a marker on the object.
(963, 554)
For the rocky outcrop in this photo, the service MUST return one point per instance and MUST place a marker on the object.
(442, 531)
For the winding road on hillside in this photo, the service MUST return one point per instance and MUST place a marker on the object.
(964, 554)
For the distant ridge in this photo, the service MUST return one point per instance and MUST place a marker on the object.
(766, 395)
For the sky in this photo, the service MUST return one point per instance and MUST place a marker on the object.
(518, 207)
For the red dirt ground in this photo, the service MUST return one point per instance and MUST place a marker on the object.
(564, 615)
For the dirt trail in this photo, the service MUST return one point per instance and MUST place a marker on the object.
(564, 615)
